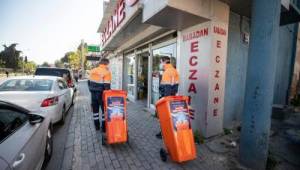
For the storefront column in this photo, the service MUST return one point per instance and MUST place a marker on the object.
(150, 61)
(135, 74)
(203, 56)
(256, 118)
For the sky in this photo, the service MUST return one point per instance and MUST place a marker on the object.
(46, 29)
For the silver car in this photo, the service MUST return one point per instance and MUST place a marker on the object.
(46, 94)
(25, 138)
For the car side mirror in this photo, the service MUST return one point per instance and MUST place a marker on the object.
(34, 119)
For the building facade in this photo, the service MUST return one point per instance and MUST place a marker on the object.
(207, 41)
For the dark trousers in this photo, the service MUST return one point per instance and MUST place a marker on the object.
(168, 90)
(97, 102)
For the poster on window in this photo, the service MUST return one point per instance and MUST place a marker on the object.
(115, 109)
(116, 71)
(179, 113)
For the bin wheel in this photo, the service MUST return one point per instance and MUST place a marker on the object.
(127, 138)
(103, 140)
(163, 155)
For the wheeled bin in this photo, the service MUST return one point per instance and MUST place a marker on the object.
(115, 117)
(173, 114)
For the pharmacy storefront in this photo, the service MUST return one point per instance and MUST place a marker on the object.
(135, 34)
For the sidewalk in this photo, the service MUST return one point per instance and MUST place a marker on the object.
(83, 149)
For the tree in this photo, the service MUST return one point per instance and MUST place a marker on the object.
(59, 64)
(29, 67)
(74, 60)
(65, 59)
(45, 64)
(10, 56)
(2, 63)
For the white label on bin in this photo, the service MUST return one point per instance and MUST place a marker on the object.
(179, 113)
(115, 109)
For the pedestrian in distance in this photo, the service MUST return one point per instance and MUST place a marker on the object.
(99, 80)
(169, 81)
(7, 73)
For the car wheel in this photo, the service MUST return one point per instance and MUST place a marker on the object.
(73, 98)
(63, 115)
(49, 145)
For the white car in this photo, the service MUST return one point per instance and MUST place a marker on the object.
(46, 94)
(25, 138)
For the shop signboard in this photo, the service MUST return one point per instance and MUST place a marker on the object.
(203, 56)
(121, 15)
(93, 48)
(131, 2)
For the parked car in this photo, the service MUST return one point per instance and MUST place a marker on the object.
(25, 138)
(48, 94)
(67, 74)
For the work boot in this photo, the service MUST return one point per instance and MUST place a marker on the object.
(158, 136)
(103, 126)
(97, 124)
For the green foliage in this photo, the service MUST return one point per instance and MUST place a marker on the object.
(29, 67)
(271, 162)
(198, 137)
(2, 63)
(45, 64)
(74, 60)
(227, 131)
(10, 56)
(59, 64)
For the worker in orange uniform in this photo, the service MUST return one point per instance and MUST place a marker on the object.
(169, 81)
(99, 80)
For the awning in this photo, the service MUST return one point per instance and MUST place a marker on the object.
(289, 13)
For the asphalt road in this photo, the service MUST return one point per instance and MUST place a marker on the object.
(59, 140)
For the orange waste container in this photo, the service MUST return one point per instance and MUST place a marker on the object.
(173, 113)
(115, 117)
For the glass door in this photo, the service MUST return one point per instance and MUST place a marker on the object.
(131, 87)
(170, 51)
(142, 75)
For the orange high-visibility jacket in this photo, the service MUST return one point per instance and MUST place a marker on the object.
(100, 75)
(170, 75)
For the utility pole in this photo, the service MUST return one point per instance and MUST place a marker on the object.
(256, 118)
(82, 57)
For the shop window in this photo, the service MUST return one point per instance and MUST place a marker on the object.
(131, 75)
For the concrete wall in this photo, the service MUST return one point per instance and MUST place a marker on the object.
(296, 75)
(284, 63)
(237, 57)
(237, 66)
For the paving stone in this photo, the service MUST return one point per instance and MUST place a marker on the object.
(83, 149)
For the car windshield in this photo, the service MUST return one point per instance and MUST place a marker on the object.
(51, 72)
(26, 85)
